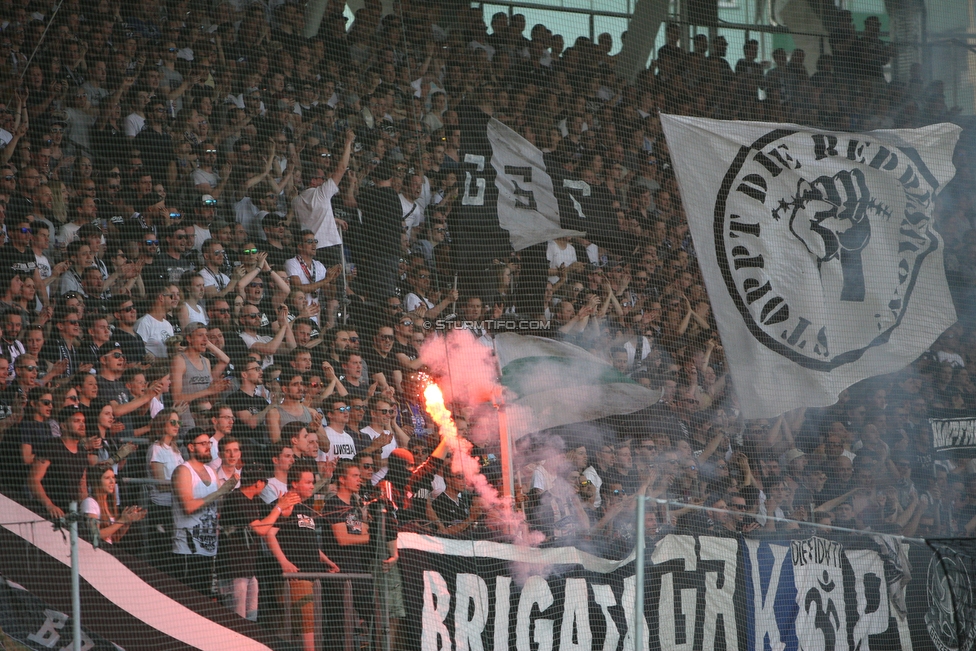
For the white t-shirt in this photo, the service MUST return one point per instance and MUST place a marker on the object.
(413, 302)
(211, 279)
(313, 207)
(341, 445)
(133, 124)
(200, 235)
(273, 490)
(631, 349)
(91, 508)
(171, 459)
(250, 216)
(154, 333)
(215, 461)
(385, 451)
(557, 257)
(250, 340)
(68, 233)
(294, 267)
(413, 213)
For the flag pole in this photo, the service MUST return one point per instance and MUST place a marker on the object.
(505, 442)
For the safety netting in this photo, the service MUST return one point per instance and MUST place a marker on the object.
(439, 325)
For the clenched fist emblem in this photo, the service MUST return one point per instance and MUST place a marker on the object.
(830, 216)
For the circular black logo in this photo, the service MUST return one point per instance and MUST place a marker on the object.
(820, 239)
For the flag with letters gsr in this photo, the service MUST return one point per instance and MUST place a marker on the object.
(818, 250)
(528, 196)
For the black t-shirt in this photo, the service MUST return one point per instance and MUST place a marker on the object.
(276, 257)
(378, 364)
(166, 269)
(87, 353)
(361, 391)
(450, 512)
(407, 350)
(240, 401)
(13, 470)
(55, 349)
(349, 558)
(62, 481)
(237, 549)
(112, 390)
(24, 262)
(383, 220)
(298, 538)
(234, 346)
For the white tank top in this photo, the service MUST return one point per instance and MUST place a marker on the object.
(196, 533)
(196, 314)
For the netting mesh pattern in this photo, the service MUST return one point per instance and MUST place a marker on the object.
(368, 326)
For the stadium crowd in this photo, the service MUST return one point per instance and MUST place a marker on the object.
(222, 239)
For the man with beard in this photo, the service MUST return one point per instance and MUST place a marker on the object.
(250, 409)
(291, 408)
(196, 491)
(57, 476)
(344, 339)
(273, 243)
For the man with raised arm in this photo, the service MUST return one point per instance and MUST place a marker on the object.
(313, 207)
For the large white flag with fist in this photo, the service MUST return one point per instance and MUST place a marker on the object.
(818, 250)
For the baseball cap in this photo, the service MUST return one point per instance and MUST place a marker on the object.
(67, 412)
(108, 347)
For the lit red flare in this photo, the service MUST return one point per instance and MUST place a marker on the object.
(434, 399)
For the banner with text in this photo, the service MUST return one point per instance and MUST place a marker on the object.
(953, 434)
(701, 592)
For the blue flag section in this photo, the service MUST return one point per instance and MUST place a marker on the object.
(701, 592)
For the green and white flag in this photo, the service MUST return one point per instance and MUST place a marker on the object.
(556, 383)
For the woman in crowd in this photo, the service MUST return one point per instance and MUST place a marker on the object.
(191, 309)
(100, 506)
(163, 458)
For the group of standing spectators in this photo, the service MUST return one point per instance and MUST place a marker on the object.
(223, 240)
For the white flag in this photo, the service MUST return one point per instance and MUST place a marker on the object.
(527, 205)
(818, 251)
